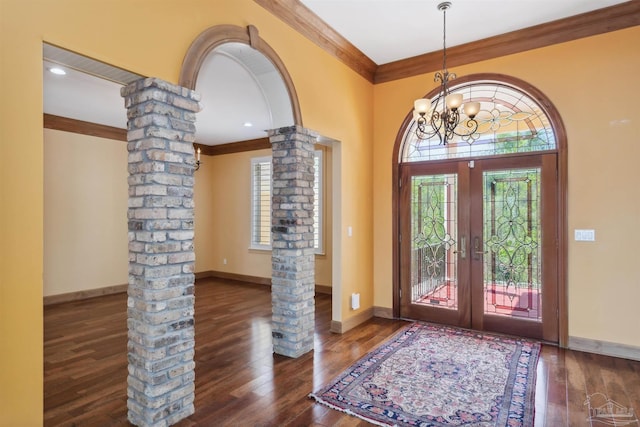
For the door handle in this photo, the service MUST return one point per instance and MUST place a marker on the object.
(477, 249)
(463, 248)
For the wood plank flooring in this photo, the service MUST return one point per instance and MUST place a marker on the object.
(239, 382)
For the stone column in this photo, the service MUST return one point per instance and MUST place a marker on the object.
(292, 259)
(161, 133)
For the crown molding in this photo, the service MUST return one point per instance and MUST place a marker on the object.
(588, 24)
(307, 23)
(298, 16)
(66, 124)
(234, 147)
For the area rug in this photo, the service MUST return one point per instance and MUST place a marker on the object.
(431, 375)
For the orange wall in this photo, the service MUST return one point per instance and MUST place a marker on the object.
(120, 32)
(593, 83)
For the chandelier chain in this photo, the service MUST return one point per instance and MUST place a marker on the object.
(445, 124)
(444, 39)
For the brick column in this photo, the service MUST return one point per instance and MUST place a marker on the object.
(292, 259)
(161, 344)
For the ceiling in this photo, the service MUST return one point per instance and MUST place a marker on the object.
(242, 94)
(239, 86)
(390, 30)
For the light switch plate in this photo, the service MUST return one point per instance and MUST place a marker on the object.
(355, 301)
(585, 235)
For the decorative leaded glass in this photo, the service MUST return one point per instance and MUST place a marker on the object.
(509, 121)
(434, 241)
(512, 241)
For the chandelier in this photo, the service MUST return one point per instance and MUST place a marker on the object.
(446, 124)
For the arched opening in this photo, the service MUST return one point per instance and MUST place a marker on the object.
(239, 75)
(220, 35)
(480, 231)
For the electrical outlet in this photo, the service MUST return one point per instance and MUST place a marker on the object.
(224, 261)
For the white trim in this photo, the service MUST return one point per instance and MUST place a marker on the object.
(257, 247)
(603, 347)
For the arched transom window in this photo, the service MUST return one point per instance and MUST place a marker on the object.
(510, 121)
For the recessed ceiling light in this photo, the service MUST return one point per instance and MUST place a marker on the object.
(247, 124)
(57, 70)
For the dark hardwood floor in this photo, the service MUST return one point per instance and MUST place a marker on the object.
(239, 382)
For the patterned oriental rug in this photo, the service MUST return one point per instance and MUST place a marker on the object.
(431, 375)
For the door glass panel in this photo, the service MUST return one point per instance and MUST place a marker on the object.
(512, 243)
(433, 241)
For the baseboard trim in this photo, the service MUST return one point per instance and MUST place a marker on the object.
(324, 289)
(342, 327)
(85, 294)
(606, 348)
(92, 293)
(233, 276)
(320, 289)
(203, 275)
(383, 312)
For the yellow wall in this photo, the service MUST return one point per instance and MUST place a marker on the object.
(324, 261)
(229, 187)
(85, 221)
(223, 219)
(85, 212)
(120, 32)
(594, 85)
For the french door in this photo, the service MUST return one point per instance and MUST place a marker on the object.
(479, 246)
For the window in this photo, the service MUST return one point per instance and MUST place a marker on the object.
(317, 202)
(510, 121)
(261, 202)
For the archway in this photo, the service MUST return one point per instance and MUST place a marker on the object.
(219, 35)
(292, 245)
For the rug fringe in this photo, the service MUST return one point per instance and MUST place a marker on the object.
(348, 412)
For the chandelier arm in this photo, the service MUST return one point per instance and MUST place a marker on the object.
(472, 124)
(421, 127)
(439, 125)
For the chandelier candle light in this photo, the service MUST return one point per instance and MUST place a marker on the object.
(444, 123)
(197, 166)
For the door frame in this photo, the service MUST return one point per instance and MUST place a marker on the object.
(547, 162)
(462, 315)
(562, 223)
